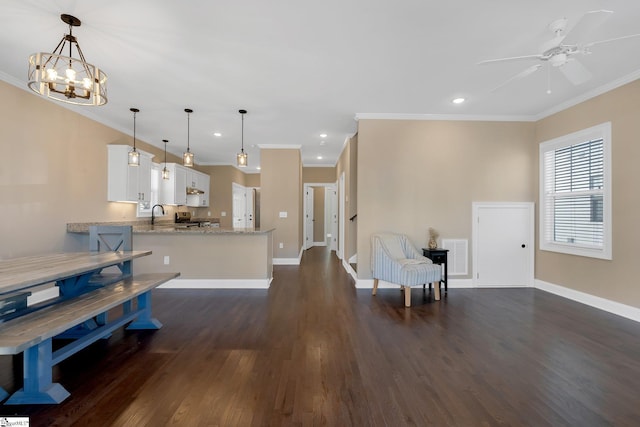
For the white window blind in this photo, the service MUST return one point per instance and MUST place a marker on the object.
(575, 193)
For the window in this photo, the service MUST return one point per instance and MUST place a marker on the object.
(575, 193)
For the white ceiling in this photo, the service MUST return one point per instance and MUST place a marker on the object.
(302, 68)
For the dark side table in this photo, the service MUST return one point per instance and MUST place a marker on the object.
(438, 256)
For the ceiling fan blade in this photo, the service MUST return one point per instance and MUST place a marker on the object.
(513, 58)
(575, 72)
(588, 45)
(589, 22)
(519, 76)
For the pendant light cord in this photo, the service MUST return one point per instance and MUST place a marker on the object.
(242, 148)
(188, 127)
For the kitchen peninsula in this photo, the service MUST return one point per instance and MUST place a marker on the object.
(206, 257)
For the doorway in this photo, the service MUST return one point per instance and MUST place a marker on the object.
(503, 244)
(320, 215)
(244, 206)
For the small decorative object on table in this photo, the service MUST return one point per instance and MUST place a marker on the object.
(433, 236)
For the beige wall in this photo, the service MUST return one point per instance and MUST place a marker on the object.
(54, 171)
(346, 165)
(318, 175)
(281, 191)
(615, 279)
(221, 199)
(413, 175)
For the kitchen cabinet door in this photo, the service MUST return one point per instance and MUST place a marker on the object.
(127, 183)
(174, 189)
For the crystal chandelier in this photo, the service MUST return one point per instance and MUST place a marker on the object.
(65, 78)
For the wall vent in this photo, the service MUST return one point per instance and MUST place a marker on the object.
(457, 258)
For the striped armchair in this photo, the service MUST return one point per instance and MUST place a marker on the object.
(394, 259)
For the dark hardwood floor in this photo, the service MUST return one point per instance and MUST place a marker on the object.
(313, 350)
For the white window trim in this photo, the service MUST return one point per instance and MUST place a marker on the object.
(596, 132)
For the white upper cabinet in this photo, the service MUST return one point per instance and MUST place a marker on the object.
(173, 191)
(198, 181)
(128, 183)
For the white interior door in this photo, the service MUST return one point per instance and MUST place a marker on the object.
(251, 206)
(331, 217)
(308, 218)
(239, 205)
(503, 244)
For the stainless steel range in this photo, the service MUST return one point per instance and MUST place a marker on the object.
(184, 220)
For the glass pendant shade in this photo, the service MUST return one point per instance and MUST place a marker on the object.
(134, 158)
(242, 159)
(187, 157)
(62, 77)
(134, 155)
(165, 171)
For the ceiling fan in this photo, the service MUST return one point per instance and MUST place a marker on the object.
(560, 52)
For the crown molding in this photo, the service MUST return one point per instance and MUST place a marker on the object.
(443, 117)
(590, 94)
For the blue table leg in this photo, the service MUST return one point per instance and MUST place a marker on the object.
(144, 320)
(38, 387)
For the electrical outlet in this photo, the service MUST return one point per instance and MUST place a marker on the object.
(283, 214)
(166, 260)
(209, 213)
(281, 245)
(223, 213)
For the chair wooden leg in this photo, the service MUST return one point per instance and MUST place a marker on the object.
(436, 291)
(375, 287)
(407, 296)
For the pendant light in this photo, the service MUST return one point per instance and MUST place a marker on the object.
(242, 156)
(187, 157)
(165, 171)
(62, 77)
(134, 155)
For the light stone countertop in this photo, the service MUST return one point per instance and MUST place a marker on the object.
(165, 227)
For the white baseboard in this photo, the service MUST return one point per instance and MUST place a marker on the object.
(289, 261)
(455, 283)
(350, 270)
(319, 243)
(353, 259)
(620, 309)
(217, 284)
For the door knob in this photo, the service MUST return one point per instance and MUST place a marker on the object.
(524, 246)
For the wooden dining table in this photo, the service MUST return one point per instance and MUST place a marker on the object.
(69, 271)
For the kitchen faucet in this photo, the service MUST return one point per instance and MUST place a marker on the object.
(153, 217)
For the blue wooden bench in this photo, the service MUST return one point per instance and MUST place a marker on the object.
(80, 312)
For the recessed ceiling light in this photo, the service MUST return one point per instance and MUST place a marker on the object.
(258, 167)
(319, 157)
(323, 135)
(458, 100)
(217, 134)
